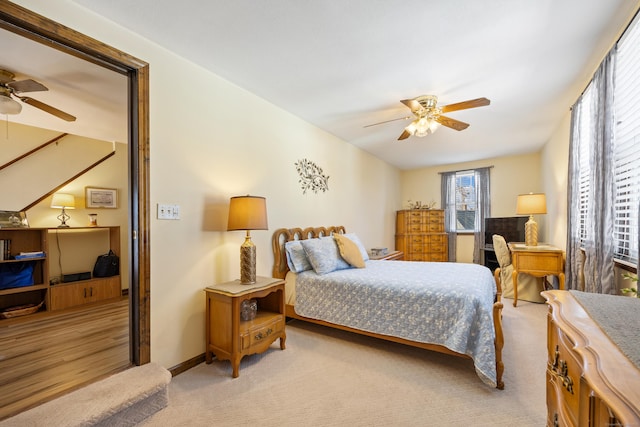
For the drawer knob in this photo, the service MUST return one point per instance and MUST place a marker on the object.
(260, 335)
(561, 368)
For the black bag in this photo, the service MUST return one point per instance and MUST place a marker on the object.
(107, 265)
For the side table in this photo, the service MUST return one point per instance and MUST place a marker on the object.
(228, 336)
(391, 256)
(538, 261)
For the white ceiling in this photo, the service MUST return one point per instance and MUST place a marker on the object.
(342, 65)
(97, 97)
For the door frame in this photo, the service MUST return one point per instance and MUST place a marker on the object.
(36, 27)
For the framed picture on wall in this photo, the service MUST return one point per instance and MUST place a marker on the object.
(13, 219)
(96, 197)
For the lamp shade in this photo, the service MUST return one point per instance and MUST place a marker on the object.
(63, 200)
(247, 213)
(531, 204)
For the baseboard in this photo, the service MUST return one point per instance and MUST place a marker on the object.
(186, 365)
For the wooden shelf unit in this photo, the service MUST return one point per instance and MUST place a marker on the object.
(54, 294)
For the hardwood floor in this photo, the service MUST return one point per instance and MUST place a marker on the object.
(44, 357)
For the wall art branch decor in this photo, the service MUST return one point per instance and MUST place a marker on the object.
(311, 177)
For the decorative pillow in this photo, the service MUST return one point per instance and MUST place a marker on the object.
(323, 255)
(296, 257)
(356, 240)
(349, 251)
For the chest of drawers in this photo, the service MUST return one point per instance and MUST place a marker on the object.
(420, 235)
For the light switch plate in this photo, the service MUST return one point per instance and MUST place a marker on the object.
(168, 211)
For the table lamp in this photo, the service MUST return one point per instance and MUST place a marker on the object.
(63, 201)
(531, 204)
(247, 213)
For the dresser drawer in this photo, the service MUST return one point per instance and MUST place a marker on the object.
(436, 257)
(558, 414)
(563, 372)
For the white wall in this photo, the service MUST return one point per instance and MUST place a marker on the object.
(509, 176)
(205, 150)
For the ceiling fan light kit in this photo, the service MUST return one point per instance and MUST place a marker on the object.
(8, 105)
(428, 116)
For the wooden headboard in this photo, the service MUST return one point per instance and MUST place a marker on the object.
(284, 235)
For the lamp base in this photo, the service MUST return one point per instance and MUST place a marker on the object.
(247, 262)
(531, 232)
(63, 217)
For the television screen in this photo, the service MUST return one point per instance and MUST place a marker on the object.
(511, 228)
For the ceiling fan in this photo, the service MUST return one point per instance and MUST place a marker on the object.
(10, 88)
(428, 116)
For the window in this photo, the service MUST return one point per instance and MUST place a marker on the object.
(465, 201)
(625, 146)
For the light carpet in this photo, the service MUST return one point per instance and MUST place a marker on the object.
(327, 377)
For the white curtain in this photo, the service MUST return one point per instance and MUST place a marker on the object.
(483, 210)
(597, 241)
(448, 203)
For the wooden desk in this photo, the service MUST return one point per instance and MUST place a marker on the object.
(539, 261)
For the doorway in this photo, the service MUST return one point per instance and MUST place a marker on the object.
(25, 23)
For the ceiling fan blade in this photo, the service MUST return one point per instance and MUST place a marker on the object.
(404, 135)
(27, 86)
(473, 103)
(387, 121)
(412, 104)
(47, 108)
(452, 123)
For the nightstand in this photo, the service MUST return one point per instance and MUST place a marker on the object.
(229, 337)
(391, 256)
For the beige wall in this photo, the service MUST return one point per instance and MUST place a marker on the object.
(510, 176)
(205, 150)
(555, 161)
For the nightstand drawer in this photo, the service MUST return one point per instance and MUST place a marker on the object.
(259, 334)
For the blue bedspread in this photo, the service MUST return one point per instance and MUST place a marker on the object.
(450, 304)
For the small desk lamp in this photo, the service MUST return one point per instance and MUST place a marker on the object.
(63, 201)
(247, 213)
(531, 204)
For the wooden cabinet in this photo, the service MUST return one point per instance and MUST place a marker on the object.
(229, 336)
(76, 250)
(66, 295)
(590, 381)
(420, 235)
(65, 250)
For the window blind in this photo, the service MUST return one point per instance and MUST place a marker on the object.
(627, 144)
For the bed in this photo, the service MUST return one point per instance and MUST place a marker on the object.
(452, 308)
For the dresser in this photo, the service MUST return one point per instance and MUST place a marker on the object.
(420, 235)
(590, 380)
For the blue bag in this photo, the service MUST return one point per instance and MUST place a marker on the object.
(16, 274)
